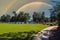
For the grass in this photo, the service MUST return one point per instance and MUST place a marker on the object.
(5, 28)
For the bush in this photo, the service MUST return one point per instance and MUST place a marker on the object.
(17, 36)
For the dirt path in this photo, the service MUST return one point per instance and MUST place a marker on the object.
(44, 34)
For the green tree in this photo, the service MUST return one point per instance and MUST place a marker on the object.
(56, 33)
(36, 17)
(43, 17)
(26, 17)
(23, 17)
(14, 18)
(58, 16)
(20, 17)
(7, 18)
(3, 18)
(57, 11)
(14, 12)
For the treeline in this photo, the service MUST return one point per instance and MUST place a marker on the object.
(25, 17)
(56, 33)
(21, 17)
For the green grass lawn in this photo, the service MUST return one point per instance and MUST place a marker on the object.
(5, 28)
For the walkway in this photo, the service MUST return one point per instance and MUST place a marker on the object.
(44, 34)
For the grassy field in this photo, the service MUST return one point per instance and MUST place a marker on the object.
(5, 28)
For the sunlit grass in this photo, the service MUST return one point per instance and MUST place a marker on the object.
(5, 28)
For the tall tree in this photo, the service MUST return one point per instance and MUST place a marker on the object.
(36, 17)
(26, 17)
(14, 12)
(23, 17)
(14, 18)
(53, 15)
(57, 11)
(7, 18)
(19, 17)
(3, 18)
(56, 33)
(43, 16)
(58, 16)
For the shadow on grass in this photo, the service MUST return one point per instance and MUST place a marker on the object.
(18, 36)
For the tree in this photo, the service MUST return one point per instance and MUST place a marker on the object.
(19, 17)
(58, 16)
(3, 18)
(23, 17)
(7, 18)
(56, 33)
(14, 12)
(57, 11)
(53, 15)
(43, 16)
(26, 17)
(36, 17)
(14, 18)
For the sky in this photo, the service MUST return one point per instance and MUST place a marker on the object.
(38, 7)
(5, 5)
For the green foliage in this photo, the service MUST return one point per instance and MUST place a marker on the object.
(17, 35)
(22, 17)
(38, 17)
(58, 16)
(19, 31)
(20, 27)
(43, 15)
